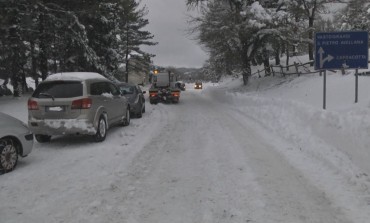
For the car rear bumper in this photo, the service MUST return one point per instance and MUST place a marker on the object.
(164, 98)
(61, 126)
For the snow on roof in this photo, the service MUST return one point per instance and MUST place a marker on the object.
(75, 76)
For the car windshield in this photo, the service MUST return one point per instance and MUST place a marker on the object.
(58, 89)
(127, 89)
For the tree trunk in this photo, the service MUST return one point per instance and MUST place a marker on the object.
(287, 56)
(43, 50)
(266, 63)
(127, 52)
(277, 57)
(24, 86)
(310, 37)
(247, 72)
(34, 74)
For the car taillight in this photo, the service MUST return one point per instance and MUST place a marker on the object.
(153, 94)
(84, 103)
(175, 94)
(32, 105)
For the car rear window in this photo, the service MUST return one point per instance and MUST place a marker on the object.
(127, 89)
(58, 89)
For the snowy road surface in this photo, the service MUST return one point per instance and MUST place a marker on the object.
(200, 161)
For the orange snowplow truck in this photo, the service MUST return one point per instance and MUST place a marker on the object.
(163, 89)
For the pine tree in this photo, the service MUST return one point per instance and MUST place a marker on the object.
(355, 16)
(13, 52)
(132, 36)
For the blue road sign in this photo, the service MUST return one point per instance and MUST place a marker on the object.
(337, 50)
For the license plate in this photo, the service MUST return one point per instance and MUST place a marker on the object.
(55, 109)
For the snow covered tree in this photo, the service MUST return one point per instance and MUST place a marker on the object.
(133, 36)
(356, 16)
(13, 57)
(39, 37)
(238, 32)
(258, 30)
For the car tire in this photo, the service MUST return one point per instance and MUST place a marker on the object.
(8, 155)
(42, 138)
(101, 132)
(127, 119)
(140, 113)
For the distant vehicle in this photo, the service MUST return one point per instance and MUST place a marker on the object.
(180, 85)
(135, 97)
(76, 103)
(163, 89)
(198, 85)
(4, 90)
(15, 140)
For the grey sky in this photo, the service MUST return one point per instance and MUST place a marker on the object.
(168, 23)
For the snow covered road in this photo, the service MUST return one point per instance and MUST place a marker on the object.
(202, 160)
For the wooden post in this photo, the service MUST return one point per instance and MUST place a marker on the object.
(282, 71)
(296, 68)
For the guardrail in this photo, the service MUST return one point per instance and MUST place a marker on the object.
(283, 71)
(279, 70)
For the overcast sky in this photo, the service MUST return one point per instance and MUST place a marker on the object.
(168, 24)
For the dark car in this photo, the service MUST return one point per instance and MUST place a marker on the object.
(135, 97)
(198, 85)
(180, 85)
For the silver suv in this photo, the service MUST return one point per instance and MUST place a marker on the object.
(76, 103)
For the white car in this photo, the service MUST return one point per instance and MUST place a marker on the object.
(76, 103)
(15, 140)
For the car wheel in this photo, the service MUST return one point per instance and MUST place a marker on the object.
(140, 113)
(127, 119)
(101, 132)
(8, 155)
(42, 138)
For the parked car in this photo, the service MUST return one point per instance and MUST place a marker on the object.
(198, 85)
(15, 140)
(135, 97)
(76, 103)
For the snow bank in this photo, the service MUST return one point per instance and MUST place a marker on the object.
(292, 109)
(331, 147)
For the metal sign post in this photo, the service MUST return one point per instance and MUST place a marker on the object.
(341, 50)
(324, 100)
(356, 87)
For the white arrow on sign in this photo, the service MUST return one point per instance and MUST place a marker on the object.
(326, 59)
